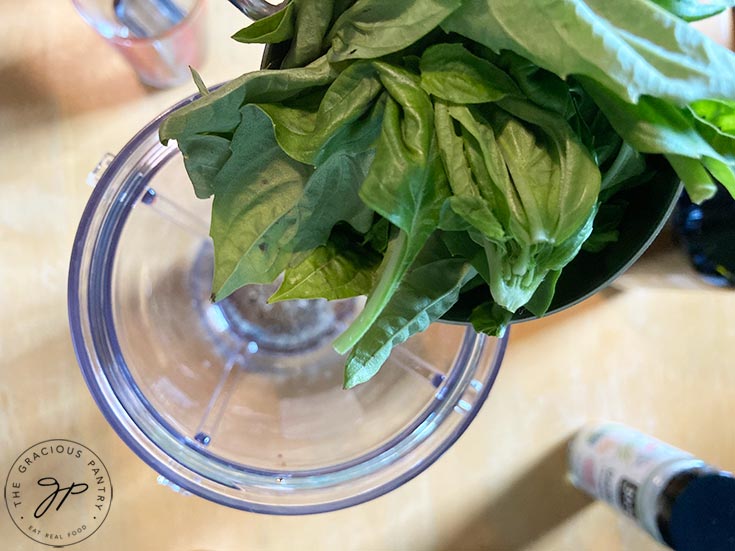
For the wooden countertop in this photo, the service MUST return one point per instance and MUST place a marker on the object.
(659, 359)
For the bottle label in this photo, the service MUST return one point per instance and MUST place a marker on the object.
(613, 463)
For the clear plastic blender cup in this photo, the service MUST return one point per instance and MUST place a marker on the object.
(240, 402)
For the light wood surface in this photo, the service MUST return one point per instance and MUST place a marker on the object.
(662, 360)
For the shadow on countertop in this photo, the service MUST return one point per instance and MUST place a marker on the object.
(531, 506)
(43, 86)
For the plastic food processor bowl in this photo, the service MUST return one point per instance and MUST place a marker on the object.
(241, 402)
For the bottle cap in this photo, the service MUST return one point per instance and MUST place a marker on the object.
(703, 515)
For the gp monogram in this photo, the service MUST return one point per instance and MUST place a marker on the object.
(58, 492)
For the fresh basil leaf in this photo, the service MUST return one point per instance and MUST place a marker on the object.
(722, 172)
(425, 293)
(406, 184)
(547, 185)
(467, 200)
(697, 181)
(592, 127)
(657, 126)
(203, 129)
(379, 235)
(518, 270)
(376, 28)
(715, 130)
(452, 73)
(489, 177)
(541, 299)
(204, 156)
(491, 319)
(450, 221)
(294, 123)
(631, 47)
(598, 240)
(313, 18)
(479, 214)
(341, 6)
(203, 90)
(542, 87)
(717, 112)
(627, 164)
(556, 179)
(273, 29)
(268, 207)
(460, 244)
(694, 10)
(219, 112)
(339, 269)
(255, 189)
(304, 132)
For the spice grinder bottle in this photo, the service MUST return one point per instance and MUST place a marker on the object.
(677, 498)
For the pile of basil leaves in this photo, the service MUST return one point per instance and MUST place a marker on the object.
(411, 149)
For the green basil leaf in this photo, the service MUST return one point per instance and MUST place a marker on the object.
(717, 112)
(339, 269)
(592, 127)
(697, 180)
(450, 221)
(313, 18)
(628, 164)
(722, 172)
(204, 156)
(479, 214)
(204, 128)
(716, 129)
(652, 125)
(406, 184)
(460, 244)
(518, 269)
(203, 90)
(607, 222)
(219, 112)
(489, 177)
(273, 29)
(555, 177)
(541, 299)
(545, 192)
(467, 200)
(542, 87)
(304, 132)
(452, 73)
(429, 289)
(379, 235)
(631, 47)
(375, 28)
(657, 126)
(694, 10)
(491, 319)
(269, 208)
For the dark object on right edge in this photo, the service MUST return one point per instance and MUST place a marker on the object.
(708, 236)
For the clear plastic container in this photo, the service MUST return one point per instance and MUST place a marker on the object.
(160, 39)
(236, 402)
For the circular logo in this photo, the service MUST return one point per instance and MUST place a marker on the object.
(58, 492)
